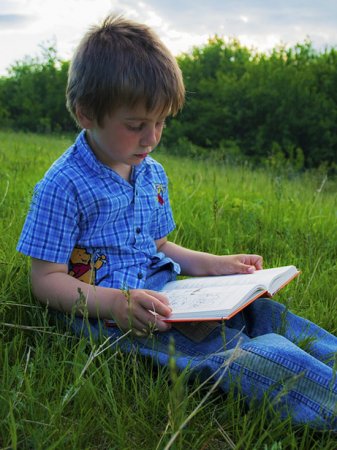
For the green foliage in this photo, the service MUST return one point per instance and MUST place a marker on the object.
(32, 97)
(58, 391)
(285, 99)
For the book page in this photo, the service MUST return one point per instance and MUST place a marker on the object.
(263, 278)
(193, 300)
(282, 278)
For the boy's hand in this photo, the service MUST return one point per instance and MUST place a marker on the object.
(141, 311)
(232, 264)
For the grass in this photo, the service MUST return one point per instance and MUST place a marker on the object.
(58, 391)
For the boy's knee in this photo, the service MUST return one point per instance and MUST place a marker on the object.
(266, 306)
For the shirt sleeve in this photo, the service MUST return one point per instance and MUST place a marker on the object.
(51, 228)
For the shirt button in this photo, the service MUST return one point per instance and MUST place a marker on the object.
(138, 230)
(140, 275)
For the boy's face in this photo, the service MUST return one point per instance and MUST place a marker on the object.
(126, 137)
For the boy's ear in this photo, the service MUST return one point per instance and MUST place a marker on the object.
(83, 118)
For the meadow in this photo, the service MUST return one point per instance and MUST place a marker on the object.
(59, 391)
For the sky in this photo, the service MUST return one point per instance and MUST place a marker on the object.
(25, 25)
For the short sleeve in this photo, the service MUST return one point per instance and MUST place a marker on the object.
(51, 227)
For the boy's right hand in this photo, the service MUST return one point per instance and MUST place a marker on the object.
(141, 311)
(53, 286)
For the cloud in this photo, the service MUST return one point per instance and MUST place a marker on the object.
(256, 23)
(14, 21)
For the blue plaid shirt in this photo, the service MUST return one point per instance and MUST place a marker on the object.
(85, 215)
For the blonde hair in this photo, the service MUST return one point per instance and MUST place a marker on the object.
(123, 63)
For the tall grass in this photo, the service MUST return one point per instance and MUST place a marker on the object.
(58, 391)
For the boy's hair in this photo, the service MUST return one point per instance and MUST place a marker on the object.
(123, 63)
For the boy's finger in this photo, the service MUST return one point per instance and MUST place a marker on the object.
(161, 297)
(161, 325)
(156, 305)
(152, 321)
(257, 261)
(244, 268)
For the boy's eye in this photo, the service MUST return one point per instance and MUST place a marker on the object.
(135, 127)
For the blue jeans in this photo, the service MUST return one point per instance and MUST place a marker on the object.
(263, 350)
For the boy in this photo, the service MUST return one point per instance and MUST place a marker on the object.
(99, 222)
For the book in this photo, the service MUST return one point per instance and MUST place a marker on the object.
(221, 297)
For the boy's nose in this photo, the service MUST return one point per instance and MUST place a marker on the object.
(150, 138)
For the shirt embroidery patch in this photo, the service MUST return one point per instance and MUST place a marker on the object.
(160, 188)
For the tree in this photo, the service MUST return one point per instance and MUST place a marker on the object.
(32, 97)
(286, 99)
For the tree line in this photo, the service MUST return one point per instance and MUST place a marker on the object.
(240, 103)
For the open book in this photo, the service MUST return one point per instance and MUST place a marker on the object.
(221, 297)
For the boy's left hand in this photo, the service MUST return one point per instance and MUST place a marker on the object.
(238, 264)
